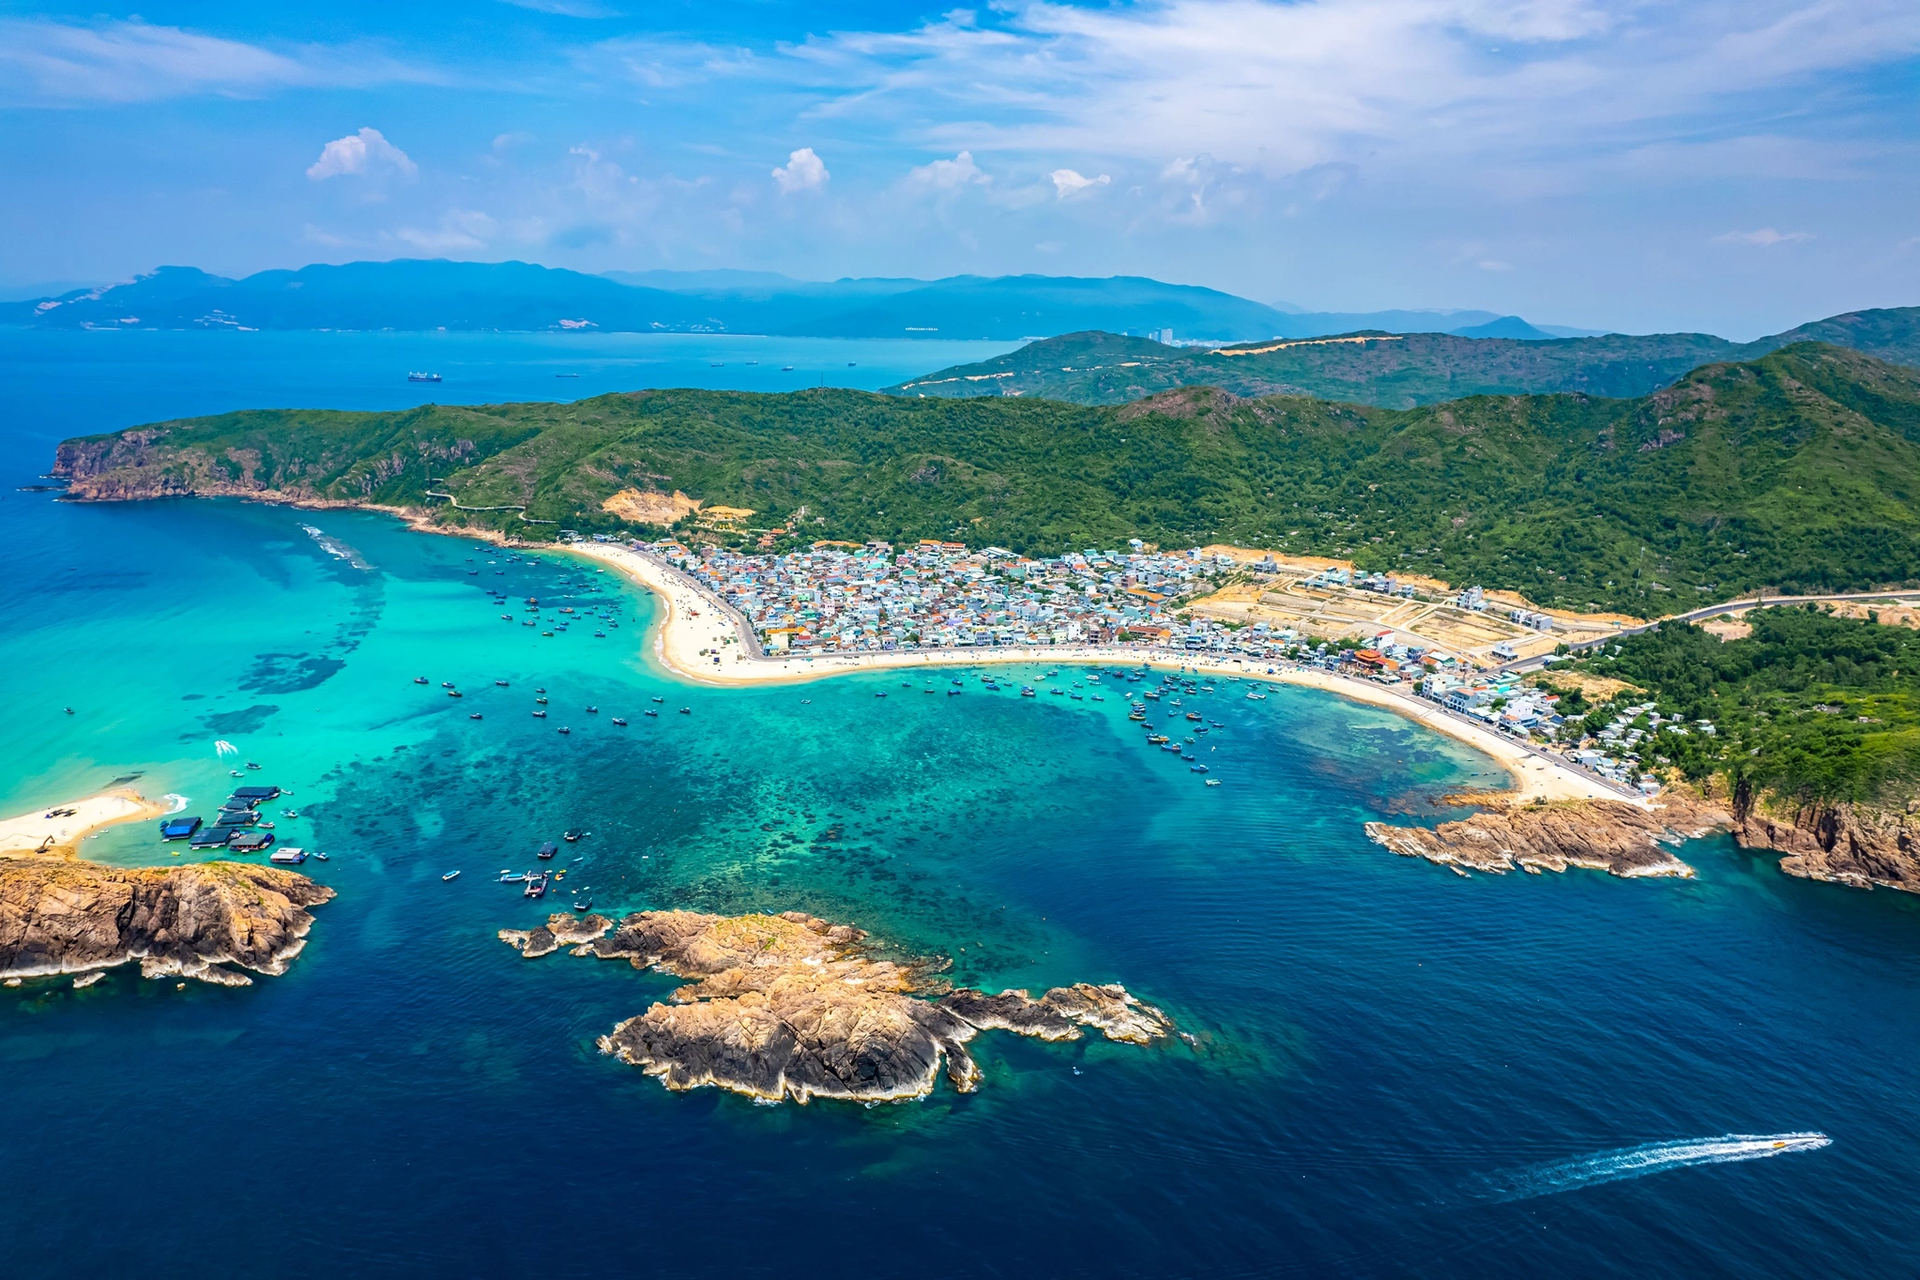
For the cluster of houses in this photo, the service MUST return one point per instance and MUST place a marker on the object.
(849, 597)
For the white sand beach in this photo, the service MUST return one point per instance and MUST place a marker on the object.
(58, 829)
(702, 640)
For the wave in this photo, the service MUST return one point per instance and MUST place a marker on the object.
(175, 802)
(336, 548)
(1556, 1176)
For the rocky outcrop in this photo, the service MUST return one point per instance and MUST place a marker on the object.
(791, 1006)
(61, 916)
(1858, 845)
(1602, 835)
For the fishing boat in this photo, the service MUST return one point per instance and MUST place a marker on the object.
(1256, 697)
(450, 875)
(573, 834)
(475, 716)
(587, 905)
(446, 684)
(619, 721)
(547, 850)
(650, 711)
(321, 856)
(659, 699)
(1027, 692)
(686, 711)
(501, 683)
(419, 679)
(593, 711)
(540, 715)
(564, 729)
(541, 701)
(454, 693)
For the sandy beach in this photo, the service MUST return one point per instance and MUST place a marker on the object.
(58, 829)
(704, 641)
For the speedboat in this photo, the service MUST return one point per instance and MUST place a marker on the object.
(419, 679)
(319, 855)
(475, 716)
(446, 684)
(622, 723)
(450, 875)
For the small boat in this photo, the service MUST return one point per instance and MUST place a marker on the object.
(539, 690)
(650, 711)
(450, 875)
(566, 375)
(540, 715)
(547, 850)
(289, 813)
(686, 711)
(1213, 782)
(252, 765)
(446, 684)
(587, 905)
(541, 701)
(573, 834)
(501, 683)
(1198, 768)
(564, 729)
(419, 679)
(881, 694)
(475, 716)
(536, 886)
(1256, 697)
(659, 699)
(593, 711)
(455, 693)
(508, 877)
(1027, 692)
(786, 368)
(423, 377)
(622, 723)
(323, 857)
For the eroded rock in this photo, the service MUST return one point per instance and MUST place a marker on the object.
(63, 916)
(1601, 835)
(791, 1006)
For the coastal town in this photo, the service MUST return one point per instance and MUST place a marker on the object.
(873, 599)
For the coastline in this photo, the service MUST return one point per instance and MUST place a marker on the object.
(38, 834)
(695, 620)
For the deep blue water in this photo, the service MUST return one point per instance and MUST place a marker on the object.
(1380, 1042)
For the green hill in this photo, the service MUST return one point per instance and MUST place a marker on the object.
(1392, 370)
(1797, 470)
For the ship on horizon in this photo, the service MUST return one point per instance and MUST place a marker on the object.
(423, 377)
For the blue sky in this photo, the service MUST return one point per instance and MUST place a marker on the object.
(1735, 167)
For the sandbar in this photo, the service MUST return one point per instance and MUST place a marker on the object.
(57, 830)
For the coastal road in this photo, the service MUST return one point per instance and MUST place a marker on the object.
(1909, 596)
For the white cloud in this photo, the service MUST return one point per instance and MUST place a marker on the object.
(949, 175)
(1069, 182)
(567, 8)
(803, 171)
(1765, 237)
(47, 63)
(364, 152)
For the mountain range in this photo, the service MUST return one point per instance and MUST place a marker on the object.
(1393, 370)
(413, 294)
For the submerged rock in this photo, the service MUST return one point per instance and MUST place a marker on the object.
(64, 916)
(1601, 835)
(793, 1006)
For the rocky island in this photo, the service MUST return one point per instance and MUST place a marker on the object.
(793, 1006)
(1602, 835)
(60, 915)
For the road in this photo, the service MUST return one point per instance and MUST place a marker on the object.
(1909, 596)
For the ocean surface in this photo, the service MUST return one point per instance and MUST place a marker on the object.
(1395, 1070)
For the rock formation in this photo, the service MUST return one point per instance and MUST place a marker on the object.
(67, 916)
(1603, 835)
(792, 1006)
(1849, 844)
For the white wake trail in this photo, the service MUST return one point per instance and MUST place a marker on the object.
(1556, 1176)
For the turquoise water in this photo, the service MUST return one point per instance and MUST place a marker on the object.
(1385, 1050)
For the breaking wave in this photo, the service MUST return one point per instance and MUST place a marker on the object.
(1556, 1176)
(336, 548)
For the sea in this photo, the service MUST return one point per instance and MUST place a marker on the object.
(1388, 1068)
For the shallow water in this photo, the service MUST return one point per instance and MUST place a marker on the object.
(1380, 1041)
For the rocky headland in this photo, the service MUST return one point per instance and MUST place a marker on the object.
(1602, 835)
(791, 1006)
(1850, 844)
(62, 916)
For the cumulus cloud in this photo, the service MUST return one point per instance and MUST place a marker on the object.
(1765, 237)
(949, 175)
(803, 171)
(1070, 182)
(364, 152)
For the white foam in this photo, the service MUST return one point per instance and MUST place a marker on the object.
(1557, 1176)
(175, 803)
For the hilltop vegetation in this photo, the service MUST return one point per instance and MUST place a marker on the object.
(1797, 471)
(1809, 708)
(1394, 371)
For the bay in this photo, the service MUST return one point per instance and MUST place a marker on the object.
(1378, 1043)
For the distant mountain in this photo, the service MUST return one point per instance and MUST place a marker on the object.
(418, 295)
(1504, 327)
(1393, 370)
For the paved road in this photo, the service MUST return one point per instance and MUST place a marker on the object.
(1910, 595)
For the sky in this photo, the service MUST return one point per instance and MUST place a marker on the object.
(1734, 168)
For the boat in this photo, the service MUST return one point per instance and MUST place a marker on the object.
(288, 856)
(450, 875)
(619, 721)
(659, 699)
(540, 715)
(564, 729)
(1198, 768)
(289, 813)
(323, 857)
(501, 683)
(475, 716)
(508, 876)
(423, 377)
(454, 693)
(1027, 692)
(573, 835)
(686, 711)
(446, 684)
(419, 679)
(1256, 697)
(536, 886)
(786, 368)
(566, 375)
(650, 711)
(547, 850)
(541, 701)
(587, 905)
(593, 711)
(1194, 715)
(1213, 782)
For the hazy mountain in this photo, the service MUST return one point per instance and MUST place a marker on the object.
(416, 295)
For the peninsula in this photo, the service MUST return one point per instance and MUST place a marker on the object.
(60, 914)
(791, 1006)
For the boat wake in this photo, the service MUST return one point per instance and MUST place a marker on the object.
(175, 802)
(336, 548)
(1556, 1176)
